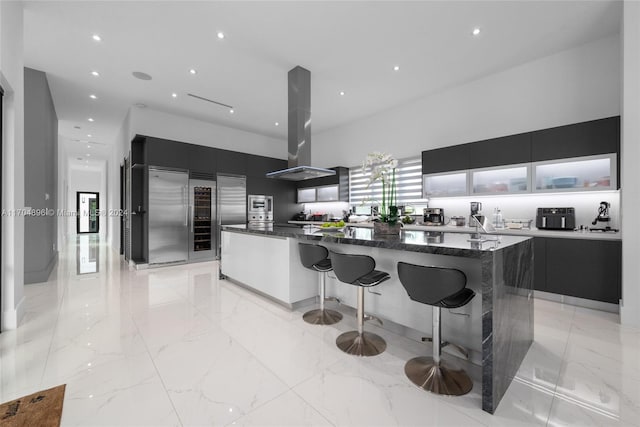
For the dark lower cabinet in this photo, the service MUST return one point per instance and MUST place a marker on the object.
(540, 264)
(589, 269)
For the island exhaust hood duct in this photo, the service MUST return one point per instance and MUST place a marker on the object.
(299, 132)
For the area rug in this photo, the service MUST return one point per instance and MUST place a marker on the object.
(42, 409)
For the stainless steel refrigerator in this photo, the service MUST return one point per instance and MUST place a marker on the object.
(202, 220)
(168, 216)
(232, 202)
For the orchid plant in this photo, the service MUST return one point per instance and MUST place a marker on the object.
(382, 168)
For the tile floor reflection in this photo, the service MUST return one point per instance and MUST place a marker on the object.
(176, 346)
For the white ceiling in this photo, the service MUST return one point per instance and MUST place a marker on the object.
(347, 45)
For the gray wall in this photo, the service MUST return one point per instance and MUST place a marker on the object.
(40, 176)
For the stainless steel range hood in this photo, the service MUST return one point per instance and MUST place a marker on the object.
(299, 132)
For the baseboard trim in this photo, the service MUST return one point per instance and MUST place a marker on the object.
(12, 318)
(580, 302)
(40, 276)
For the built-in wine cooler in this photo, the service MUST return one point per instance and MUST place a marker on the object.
(202, 232)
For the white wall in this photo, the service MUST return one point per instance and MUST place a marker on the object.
(12, 80)
(629, 168)
(118, 153)
(572, 86)
(145, 121)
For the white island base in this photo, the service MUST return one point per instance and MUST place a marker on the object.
(269, 265)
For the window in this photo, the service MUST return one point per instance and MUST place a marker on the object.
(408, 183)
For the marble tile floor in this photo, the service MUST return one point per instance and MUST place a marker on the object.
(176, 346)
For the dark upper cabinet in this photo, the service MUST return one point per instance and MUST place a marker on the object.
(581, 139)
(202, 160)
(341, 175)
(446, 159)
(577, 140)
(259, 166)
(341, 178)
(582, 268)
(507, 150)
(171, 154)
(231, 162)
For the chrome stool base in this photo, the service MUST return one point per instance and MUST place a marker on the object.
(438, 378)
(365, 344)
(321, 316)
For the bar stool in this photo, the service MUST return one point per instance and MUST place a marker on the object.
(315, 257)
(359, 270)
(438, 287)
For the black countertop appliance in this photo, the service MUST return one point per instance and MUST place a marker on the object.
(556, 218)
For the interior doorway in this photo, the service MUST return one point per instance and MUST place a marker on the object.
(87, 212)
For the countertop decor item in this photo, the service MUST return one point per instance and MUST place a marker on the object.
(382, 168)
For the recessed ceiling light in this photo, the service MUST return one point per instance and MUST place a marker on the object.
(88, 155)
(89, 135)
(140, 75)
(475, 31)
(92, 96)
(97, 37)
(396, 68)
(95, 74)
(341, 93)
(175, 95)
(231, 111)
(90, 119)
(220, 35)
(88, 146)
(277, 124)
(140, 105)
(193, 71)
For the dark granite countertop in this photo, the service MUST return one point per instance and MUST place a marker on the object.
(435, 242)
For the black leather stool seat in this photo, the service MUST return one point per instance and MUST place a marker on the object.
(359, 270)
(373, 278)
(316, 257)
(458, 300)
(323, 265)
(439, 287)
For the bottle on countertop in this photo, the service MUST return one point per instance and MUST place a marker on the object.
(497, 218)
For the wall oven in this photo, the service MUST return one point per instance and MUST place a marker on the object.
(260, 209)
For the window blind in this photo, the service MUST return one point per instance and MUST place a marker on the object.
(408, 184)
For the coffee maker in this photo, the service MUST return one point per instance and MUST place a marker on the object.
(603, 217)
(476, 207)
(433, 216)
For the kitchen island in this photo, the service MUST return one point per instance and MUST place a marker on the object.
(497, 326)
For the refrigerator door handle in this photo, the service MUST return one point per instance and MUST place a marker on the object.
(191, 210)
(185, 195)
